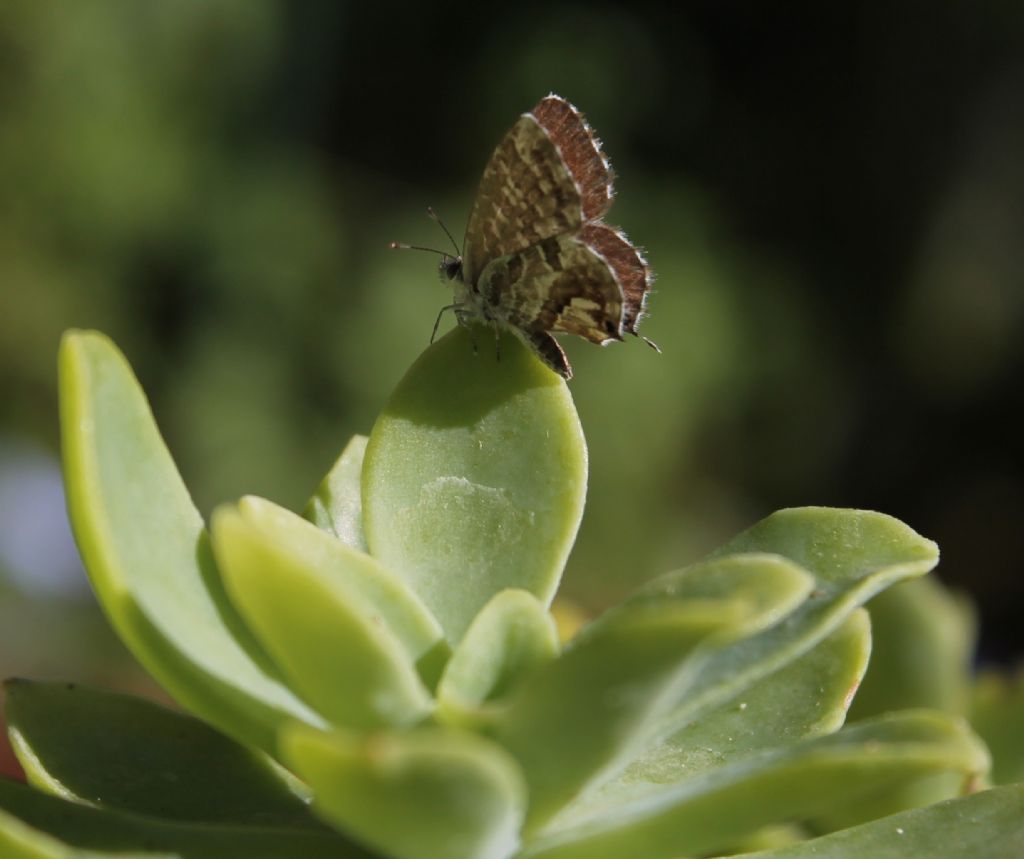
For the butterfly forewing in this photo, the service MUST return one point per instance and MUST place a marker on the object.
(580, 151)
(525, 195)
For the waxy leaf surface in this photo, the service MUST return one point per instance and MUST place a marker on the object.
(923, 645)
(120, 752)
(997, 713)
(807, 698)
(147, 553)
(852, 554)
(348, 633)
(720, 807)
(475, 475)
(511, 637)
(431, 792)
(337, 504)
(589, 710)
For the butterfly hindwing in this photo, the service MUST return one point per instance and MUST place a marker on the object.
(627, 264)
(556, 285)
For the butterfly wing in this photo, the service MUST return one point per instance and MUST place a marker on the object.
(627, 265)
(556, 285)
(546, 177)
(537, 253)
(581, 153)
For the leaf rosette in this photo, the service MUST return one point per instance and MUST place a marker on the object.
(381, 676)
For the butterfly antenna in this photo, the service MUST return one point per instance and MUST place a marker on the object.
(447, 232)
(402, 246)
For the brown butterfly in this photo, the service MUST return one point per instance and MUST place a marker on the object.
(537, 258)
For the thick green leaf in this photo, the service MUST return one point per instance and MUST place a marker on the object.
(119, 834)
(989, 824)
(923, 643)
(147, 554)
(346, 631)
(20, 841)
(807, 698)
(921, 657)
(838, 545)
(997, 713)
(125, 753)
(474, 477)
(586, 712)
(431, 793)
(914, 792)
(720, 807)
(510, 638)
(853, 554)
(337, 504)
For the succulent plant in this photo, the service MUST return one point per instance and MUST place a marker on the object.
(382, 676)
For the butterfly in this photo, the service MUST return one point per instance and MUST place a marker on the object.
(537, 258)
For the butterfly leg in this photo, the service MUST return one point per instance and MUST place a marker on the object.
(462, 315)
(497, 342)
(454, 308)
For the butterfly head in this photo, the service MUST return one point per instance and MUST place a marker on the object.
(450, 268)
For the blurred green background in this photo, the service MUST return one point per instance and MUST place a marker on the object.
(832, 197)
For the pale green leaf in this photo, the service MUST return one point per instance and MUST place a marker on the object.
(588, 711)
(807, 698)
(337, 504)
(345, 631)
(723, 805)
(853, 554)
(923, 645)
(147, 554)
(997, 713)
(430, 793)
(509, 639)
(474, 477)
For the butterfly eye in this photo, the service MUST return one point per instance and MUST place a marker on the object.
(451, 268)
